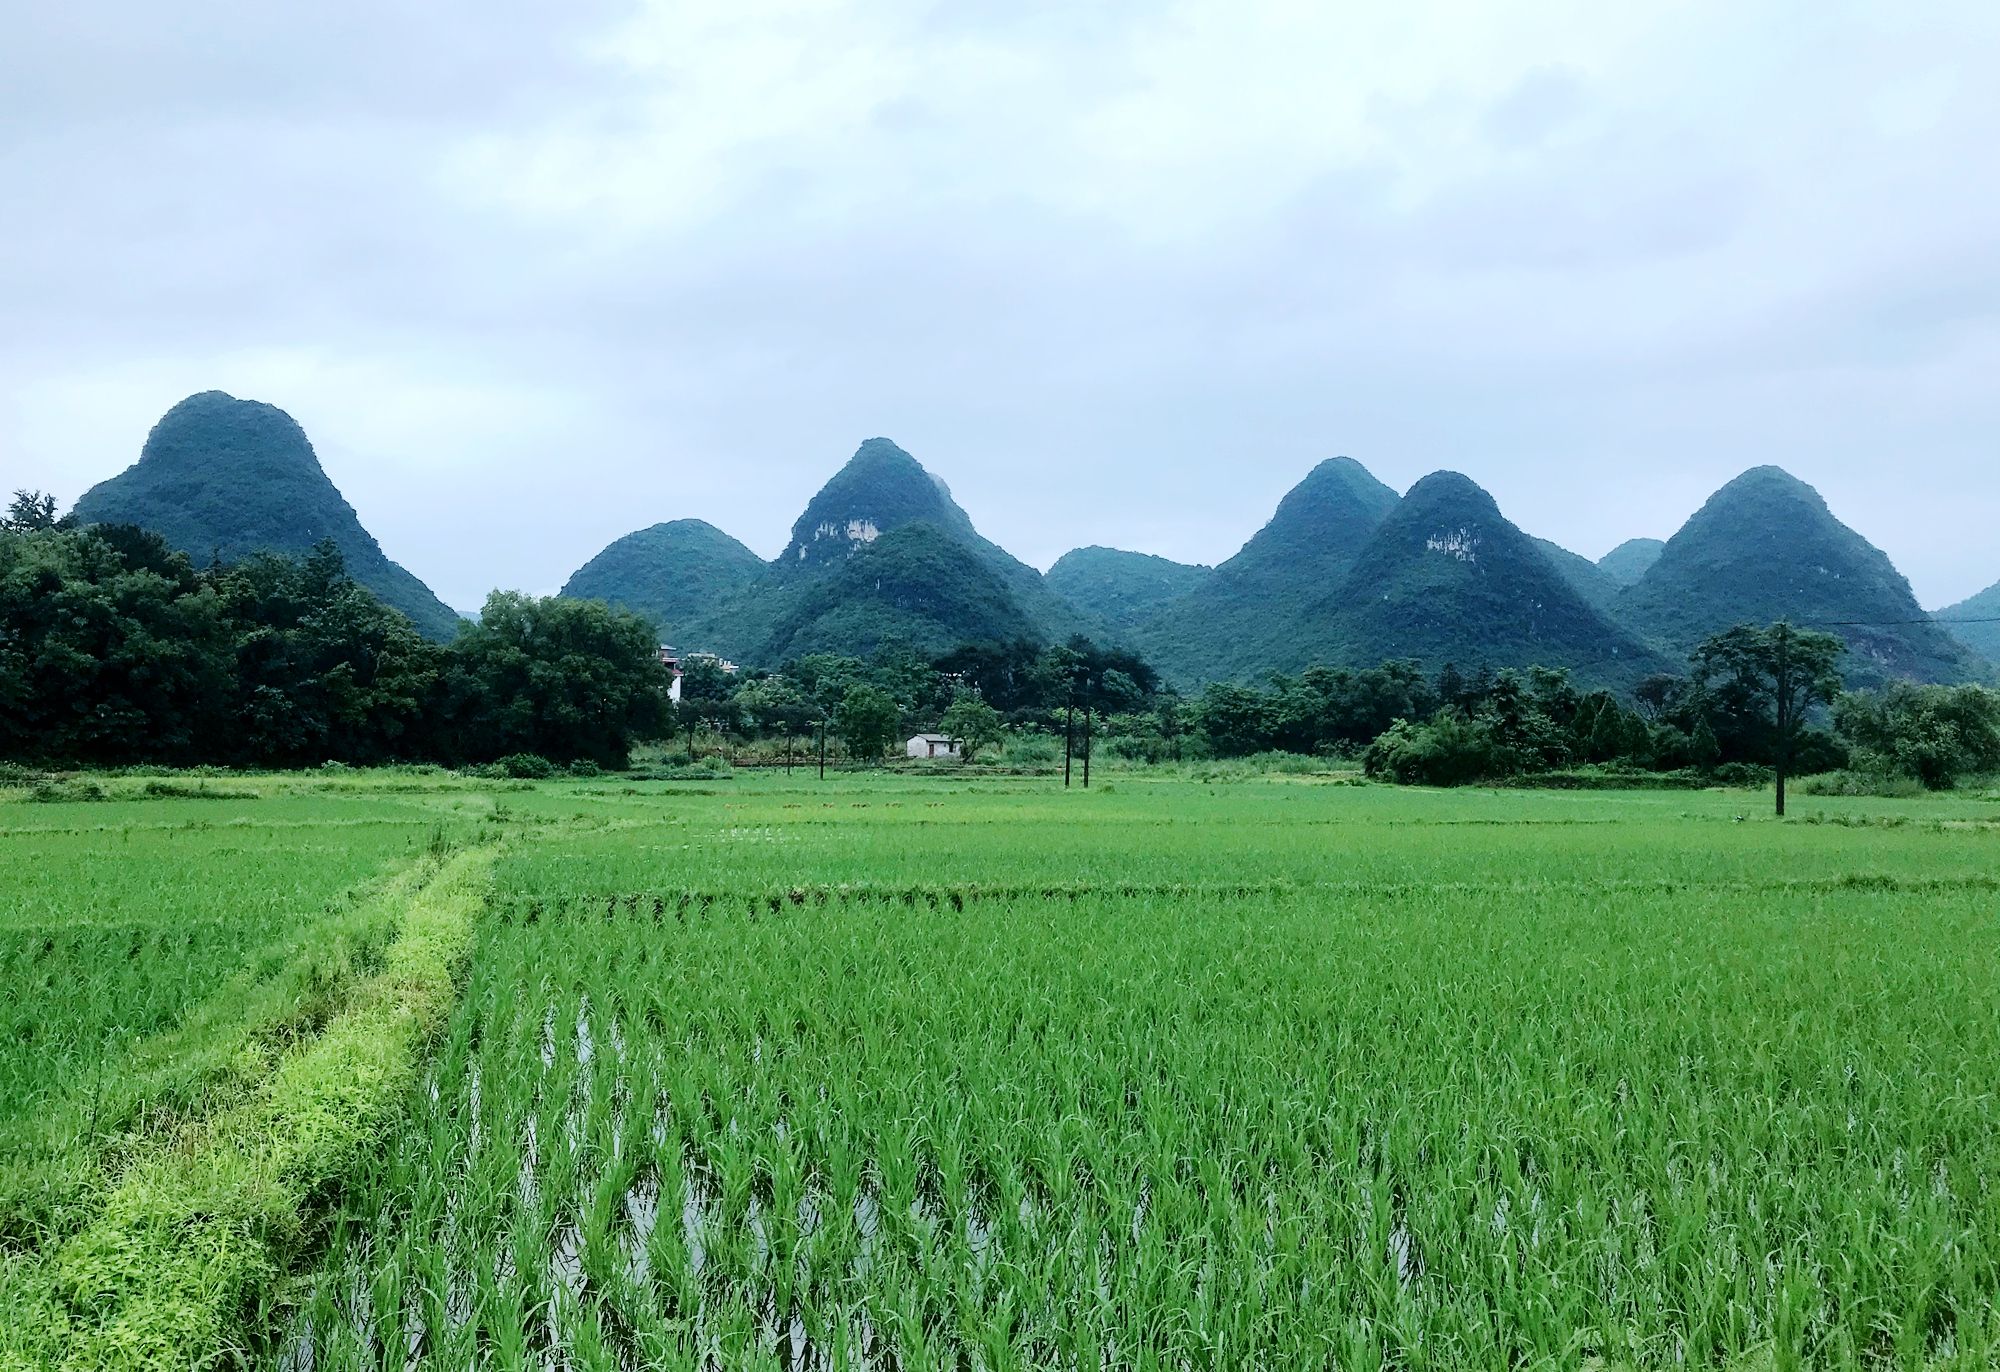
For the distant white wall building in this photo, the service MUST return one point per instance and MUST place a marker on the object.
(931, 745)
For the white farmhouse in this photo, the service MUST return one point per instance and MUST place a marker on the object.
(931, 745)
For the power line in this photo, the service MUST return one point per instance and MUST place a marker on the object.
(1889, 623)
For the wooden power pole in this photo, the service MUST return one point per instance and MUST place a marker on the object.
(1784, 693)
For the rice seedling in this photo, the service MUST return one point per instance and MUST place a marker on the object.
(895, 1074)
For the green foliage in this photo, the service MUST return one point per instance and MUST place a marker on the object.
(1934, 734)
(115, 650)
(1451, 750)
(866, 721)
(29, 512)
(224, 478)
(1766, 548)
(566, 679)
(1118, 589)
(976, 725)
(1761, 684)
(525, 767)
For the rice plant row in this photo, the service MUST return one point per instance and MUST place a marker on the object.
(1456, 1129)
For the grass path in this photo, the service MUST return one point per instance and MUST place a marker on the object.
(198, 1224)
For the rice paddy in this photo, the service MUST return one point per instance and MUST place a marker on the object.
(912, 1073)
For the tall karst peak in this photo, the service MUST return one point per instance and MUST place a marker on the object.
(1766, 547)
(879, 489)
(1248, 615)
(1325, 518)
(231, 477)
(1449, 578)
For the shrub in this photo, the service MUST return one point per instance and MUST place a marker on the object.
(526, 767)
(1859, 782)
(1449, 751)
(1744, 775)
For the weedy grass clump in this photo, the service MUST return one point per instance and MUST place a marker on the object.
(187, 1245)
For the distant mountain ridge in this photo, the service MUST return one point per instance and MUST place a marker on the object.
(1631, 559)
(1119, 589)
(1961, 622)
(1247, 618)
(880, 554)
(1346, 572)
(233, 477)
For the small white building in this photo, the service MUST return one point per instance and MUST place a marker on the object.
(931, 745)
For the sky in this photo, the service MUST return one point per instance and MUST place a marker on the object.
(533, 275)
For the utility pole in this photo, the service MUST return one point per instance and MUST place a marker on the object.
(822, 747)
(1069, 730)
(1784, 684)
(1087, 712)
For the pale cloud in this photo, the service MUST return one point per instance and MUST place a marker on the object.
(532, 276)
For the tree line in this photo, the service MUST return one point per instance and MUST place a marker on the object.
(116, 649)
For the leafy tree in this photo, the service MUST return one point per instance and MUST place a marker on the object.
(1936, 734)
(1450, 750)
(975, 724)
(567, 679)
(1771, 678)
(866, 720)
(774, 705)
(30, 512)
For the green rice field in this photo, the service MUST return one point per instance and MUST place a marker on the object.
(939, 1072)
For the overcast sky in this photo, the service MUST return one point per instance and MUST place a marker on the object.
(535, 275)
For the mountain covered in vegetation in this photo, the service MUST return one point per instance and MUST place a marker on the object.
(1585, 577)
(916, 585)
(1446, 578)
(226, 477)
(1245, 619)
(1119, 589)
(1766, 547)
(1631, 559)
(881, 554)
(1345, 573)
(1961, 622)
(683, 575)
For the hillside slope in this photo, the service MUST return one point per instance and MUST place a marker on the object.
(916, 584)
(1118, 589)
(1585, 577)
(683, 575)
(1632, 559)
(1448, 579)
(1983, 639)
(1258, 609)
(232, 477)
(1765, 547)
